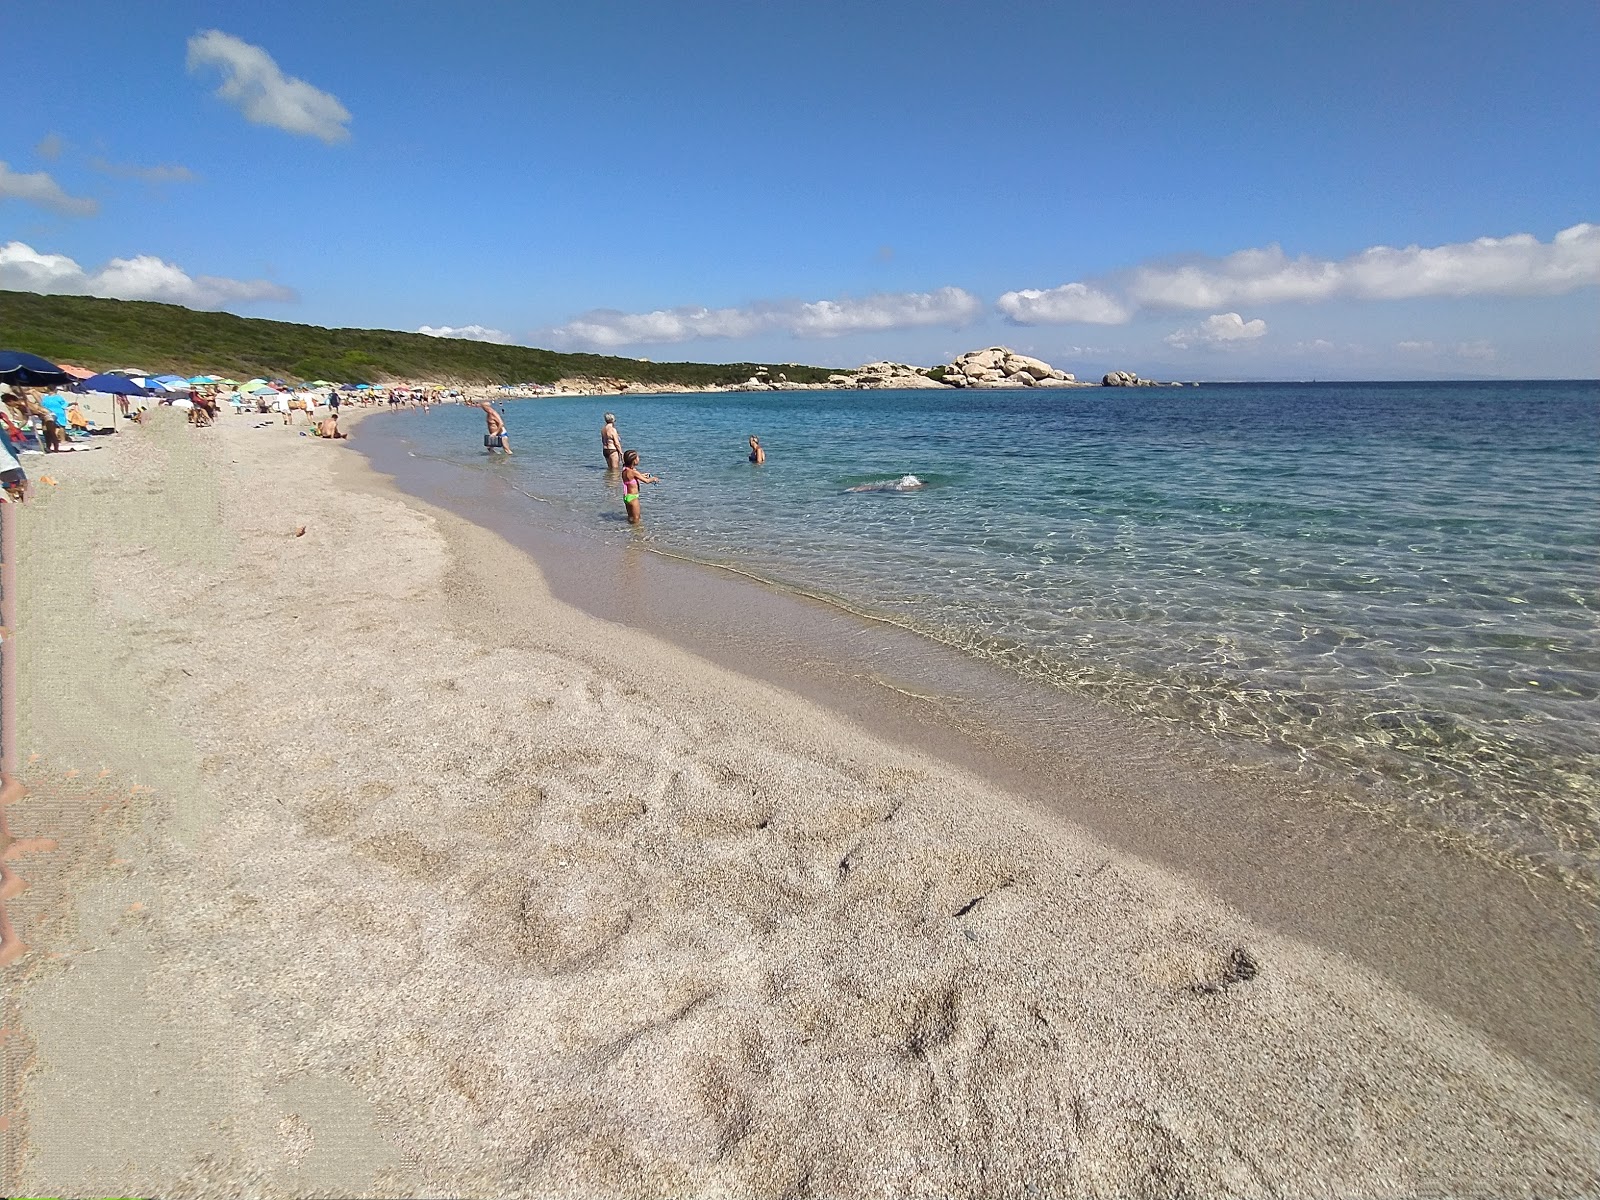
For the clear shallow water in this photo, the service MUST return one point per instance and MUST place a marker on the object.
(1394, 584)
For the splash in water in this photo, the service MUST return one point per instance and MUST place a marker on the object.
(906, 483)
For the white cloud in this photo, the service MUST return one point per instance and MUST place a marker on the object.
(607, 329)
(50, 147)
(470, 333)
(1518, 265)
(1416, 347)
(164, 173)
(1476, 351)
(1071, 302)
(892, 310)
(1224, 330)
(144, 277)
(38, 188)
(252, 82)
(1314, 346)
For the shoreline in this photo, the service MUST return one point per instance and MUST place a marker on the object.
(1285, 851)
(474, 891)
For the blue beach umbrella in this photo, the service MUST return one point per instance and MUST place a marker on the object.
(29, 370)
(116, 385)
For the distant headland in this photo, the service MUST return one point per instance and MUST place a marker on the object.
(105, 334)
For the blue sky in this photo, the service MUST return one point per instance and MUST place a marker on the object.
(1186, 191)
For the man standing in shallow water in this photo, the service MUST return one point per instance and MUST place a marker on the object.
(611, 442)
(496, 436)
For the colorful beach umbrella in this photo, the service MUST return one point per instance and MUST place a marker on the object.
(75, 371)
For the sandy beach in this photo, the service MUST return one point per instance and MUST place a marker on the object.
(358, 862)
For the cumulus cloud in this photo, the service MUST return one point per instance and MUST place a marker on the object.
(1416, 347)
(1478, 350)
(606, 329)
(253, 83)
(1069, 303)
(144, 277)
(50, 147)
(1518, 265)
(38, 188)
(470, 333)
(164, 173)
(1218, 330)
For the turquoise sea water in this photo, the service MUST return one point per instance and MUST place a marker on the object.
(1392, 584)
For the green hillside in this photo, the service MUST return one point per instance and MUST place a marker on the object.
(164, 337)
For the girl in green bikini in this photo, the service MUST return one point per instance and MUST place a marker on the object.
(632, 477)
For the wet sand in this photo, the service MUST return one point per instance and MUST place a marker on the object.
(406, 876)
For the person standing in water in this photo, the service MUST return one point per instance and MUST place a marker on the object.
(632, 477)
(611, 442)
(757, 454)
(495, 438)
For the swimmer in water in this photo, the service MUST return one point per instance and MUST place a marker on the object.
(906, 483)
(632, 477)
(757, 454)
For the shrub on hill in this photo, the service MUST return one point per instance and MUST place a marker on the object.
(165, 337)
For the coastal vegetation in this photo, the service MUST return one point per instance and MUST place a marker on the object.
(102, 334)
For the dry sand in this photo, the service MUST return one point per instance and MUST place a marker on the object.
(381, 872)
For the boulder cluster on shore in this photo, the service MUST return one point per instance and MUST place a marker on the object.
(998, 366)
(991, 367)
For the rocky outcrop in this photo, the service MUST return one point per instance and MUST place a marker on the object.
(883, 375)
(1000, 366)
(1129, 379)
(894, 375)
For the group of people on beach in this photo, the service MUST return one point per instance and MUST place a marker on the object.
(618, 460)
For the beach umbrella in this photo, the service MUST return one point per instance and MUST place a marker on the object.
(204, 379)
(131, 371)
(75, 371)
(116, 385)
(29, 370)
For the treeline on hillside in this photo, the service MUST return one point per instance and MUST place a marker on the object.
(100, 334)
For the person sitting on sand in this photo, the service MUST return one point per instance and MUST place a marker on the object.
(76, 417)
(495, 438)
(611, 442)
(632, 477)
(329, 427)
(757, 454)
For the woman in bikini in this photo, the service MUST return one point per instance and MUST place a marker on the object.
(611, 442)
(632, 477)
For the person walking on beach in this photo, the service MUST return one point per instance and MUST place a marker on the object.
(611, 442)
(495, 438)
(757, 454)
(632, 477)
